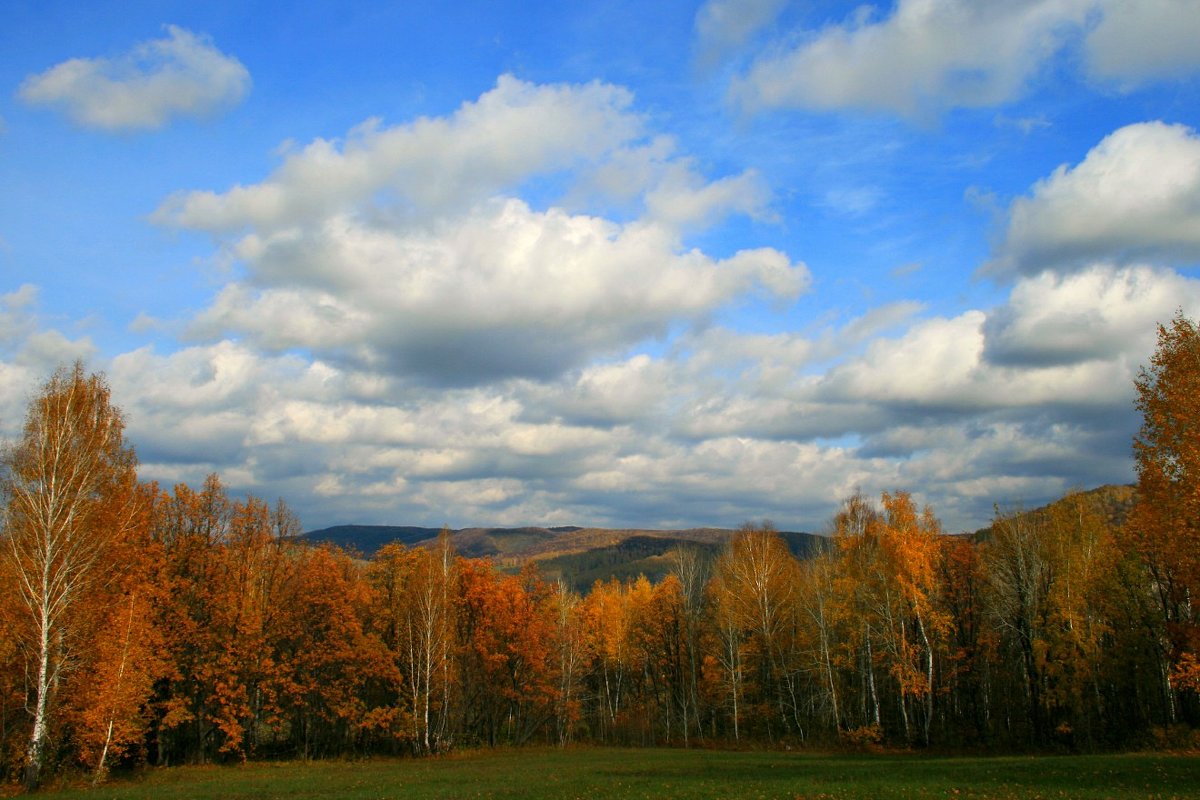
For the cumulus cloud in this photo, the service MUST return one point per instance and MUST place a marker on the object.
(404, 250)
(925, 57)
(1135, 196)
(981, 362)
(1098, 313)
(1140, 40)
(180, 75)
(1057, 359)
(505, 291)
(14, 313)
(430, 166)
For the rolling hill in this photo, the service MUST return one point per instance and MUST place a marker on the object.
(579, 556)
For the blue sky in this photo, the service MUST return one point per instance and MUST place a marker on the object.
(613, 264)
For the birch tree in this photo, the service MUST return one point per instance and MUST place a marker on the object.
(61, 481)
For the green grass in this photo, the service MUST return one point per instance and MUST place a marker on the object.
(596, 773)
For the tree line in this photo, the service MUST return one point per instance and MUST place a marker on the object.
(139, 624)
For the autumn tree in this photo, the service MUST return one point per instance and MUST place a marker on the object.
(1081, 610)
(969, 662)
(691, 568)
(1020, 572)
(609, 619)
(855, 534)
(815, 601)
(915, 626)
(570, 638)
(666, 660)
(506, 634)
(1165, 523)
(330, 668)
(14, 733)
(67, 486)
(227, 565)
(416, 591)
(191, 527)
(106, 700)
(754, 585)
(654, 646)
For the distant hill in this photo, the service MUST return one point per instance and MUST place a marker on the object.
(579, 556)
(1112, 503)
(367, 539)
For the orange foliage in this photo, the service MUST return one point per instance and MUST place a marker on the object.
(1165, 523)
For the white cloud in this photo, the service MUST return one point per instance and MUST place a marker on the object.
(403, 250)
(852, 201)
(722, 25)
(29, 353)
(1100, 312)
(1136, 196)
(685, 199)
(504, 291)
(431, 166)
(180, 75)
(669, 188)
(939, 367)
(927, 56)
(1140, 40)
(604, 395)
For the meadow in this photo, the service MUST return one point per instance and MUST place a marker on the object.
(593, 773)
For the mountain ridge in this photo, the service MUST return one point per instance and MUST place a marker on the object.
(575, 554)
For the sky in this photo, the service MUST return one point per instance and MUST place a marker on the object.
(617, 264)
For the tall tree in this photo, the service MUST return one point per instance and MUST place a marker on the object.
(105, 701)
(910, 545)
(607, 612)
(1166, 520)
(856, 538)
(815, 604)
(570, 640)
(1021, 572)
(416, 590)
(67, 485)
(330, 668)
(191, 527)
(755, 582)
(691, 567)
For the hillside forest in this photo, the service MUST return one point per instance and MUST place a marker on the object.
(139, 624)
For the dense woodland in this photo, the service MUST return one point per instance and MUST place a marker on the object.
(138, 624)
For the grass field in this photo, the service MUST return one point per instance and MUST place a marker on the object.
(596, 773)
